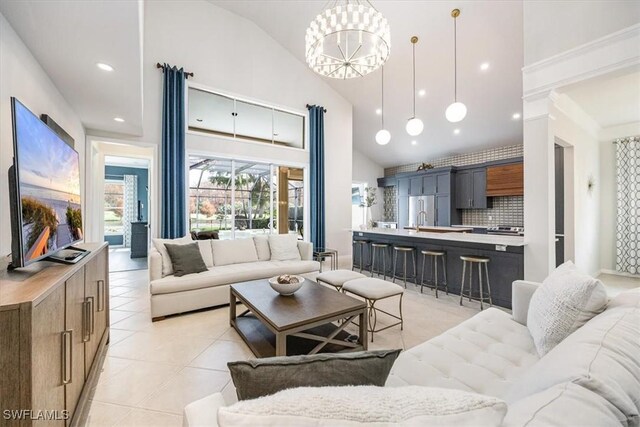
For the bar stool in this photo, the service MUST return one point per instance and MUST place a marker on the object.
(433, 257)
(404, 251)
(381, 250)
(359, 244)
(480, 261)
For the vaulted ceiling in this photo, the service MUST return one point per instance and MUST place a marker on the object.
(488, 31)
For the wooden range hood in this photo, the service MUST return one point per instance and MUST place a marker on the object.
(505, 180)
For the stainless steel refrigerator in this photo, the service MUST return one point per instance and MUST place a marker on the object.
(422, 211)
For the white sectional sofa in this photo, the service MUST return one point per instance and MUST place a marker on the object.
(228, 262)
(592, 378)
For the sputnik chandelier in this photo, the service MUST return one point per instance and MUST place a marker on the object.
(350, 39)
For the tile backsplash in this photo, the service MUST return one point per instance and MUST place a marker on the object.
(463, 159)
(390, 207)
(508, 210)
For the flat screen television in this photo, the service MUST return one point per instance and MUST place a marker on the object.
(44, 188)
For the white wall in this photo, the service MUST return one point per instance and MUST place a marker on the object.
(366, 170)
(22, 77)
(229, 53)
(573, 127)
(554, 26)
(608, 189)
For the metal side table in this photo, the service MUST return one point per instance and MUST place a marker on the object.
(320, 254)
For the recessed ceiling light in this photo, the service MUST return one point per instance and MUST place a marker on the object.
(484, 66)
(422, 92)
(104, 67)
(118, 119)
(379, 111)
(414, 142)
(515, 116)
(456, 131)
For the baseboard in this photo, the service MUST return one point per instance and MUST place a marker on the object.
(618, 273)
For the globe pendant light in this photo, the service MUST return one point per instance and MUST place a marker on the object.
(383, 136)
(456, 111)
(414, 124)
(350, 40)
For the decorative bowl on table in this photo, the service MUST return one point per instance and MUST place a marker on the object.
(286, 284)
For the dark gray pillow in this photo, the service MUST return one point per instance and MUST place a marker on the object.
(261, 377)
(186, 259)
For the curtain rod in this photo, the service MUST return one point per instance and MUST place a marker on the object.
(187, 75)
(309, 106)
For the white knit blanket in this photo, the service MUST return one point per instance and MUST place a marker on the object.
(366, 404)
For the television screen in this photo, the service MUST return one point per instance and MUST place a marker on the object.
(48, 187)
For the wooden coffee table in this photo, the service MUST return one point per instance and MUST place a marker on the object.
(303, 323)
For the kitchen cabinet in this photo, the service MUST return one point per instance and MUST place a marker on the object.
(443, 183)
(443, 210)
(48, 362)
(471, 185)
(403, 187)
(505, 180)
(403, 211)
(415, 186)
(429, 185)
(437, 183)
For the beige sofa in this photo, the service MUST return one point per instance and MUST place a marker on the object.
(592, 378)
(228, 262)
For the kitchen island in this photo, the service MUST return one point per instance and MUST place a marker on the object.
(506, 254)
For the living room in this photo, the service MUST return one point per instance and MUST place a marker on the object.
(488, 160)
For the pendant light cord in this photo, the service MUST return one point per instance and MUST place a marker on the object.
(455, 60)
(414, 80)
(382, 112)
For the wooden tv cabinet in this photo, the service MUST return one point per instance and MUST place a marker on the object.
(54, 329)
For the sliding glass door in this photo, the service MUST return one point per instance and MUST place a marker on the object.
(241, 199)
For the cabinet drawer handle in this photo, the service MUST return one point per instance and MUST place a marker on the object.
(101, 295)
(92, 323)
(67, 353)
(85, 321)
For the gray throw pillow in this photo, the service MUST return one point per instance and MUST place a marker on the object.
(186, 259)
(261, 377)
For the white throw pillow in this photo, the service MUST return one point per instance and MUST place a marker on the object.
(237, 251)
(364, 405)
(284, 247)
(262, 247)
(565, 301)
(206, 252)
(167, 266)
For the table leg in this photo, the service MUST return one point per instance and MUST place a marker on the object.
(364, 330)
(232, 308)
(281, 344)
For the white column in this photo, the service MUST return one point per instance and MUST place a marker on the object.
(539, 190)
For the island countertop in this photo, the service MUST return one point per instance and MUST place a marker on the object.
(487, 239)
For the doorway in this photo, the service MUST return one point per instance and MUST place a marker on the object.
(564, 201)
(126, 211)
(121, 199)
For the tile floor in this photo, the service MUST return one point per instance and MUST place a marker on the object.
(152, 370)
(120, 260)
